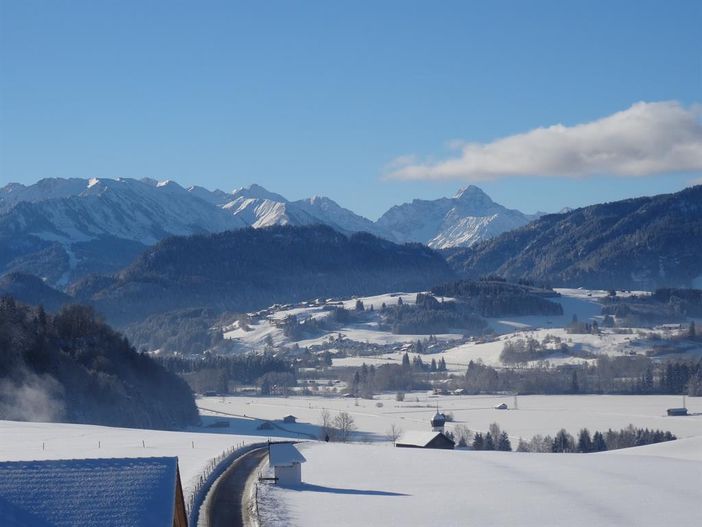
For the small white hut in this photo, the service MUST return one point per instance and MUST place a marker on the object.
(286, 460)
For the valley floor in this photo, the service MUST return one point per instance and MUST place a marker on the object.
(372, 483)
(537, 414)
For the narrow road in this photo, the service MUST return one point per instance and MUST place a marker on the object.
(225, 504)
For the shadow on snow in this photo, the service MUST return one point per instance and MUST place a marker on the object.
(335, 490)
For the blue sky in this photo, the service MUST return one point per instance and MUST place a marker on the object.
(321, 97)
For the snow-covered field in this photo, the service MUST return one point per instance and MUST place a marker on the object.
(537, 414)
(21, 441)
(380, 485)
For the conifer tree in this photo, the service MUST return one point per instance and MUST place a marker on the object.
(489, 443)
(598, 442)
(503, 443)
(585, 441)
(478, 441)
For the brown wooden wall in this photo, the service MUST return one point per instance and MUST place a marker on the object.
(180, 517)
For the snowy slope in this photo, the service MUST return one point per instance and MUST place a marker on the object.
(470, 216)
(328, 212)
(349, 485)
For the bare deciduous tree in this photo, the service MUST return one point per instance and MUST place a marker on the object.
(344, 426)
(327, 428)
(393, 433)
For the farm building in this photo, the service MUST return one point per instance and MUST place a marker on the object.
(677, 411)
(287, 461)
(92, 492)
(290, 419)
(417, 439)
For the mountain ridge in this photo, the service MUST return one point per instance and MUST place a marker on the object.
(638, 243)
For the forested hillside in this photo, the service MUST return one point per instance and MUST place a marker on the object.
(494, 297)
(31, 289)
(72, 367)
(636, 243)
(254, 268)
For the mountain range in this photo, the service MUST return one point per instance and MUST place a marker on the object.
(65, 229)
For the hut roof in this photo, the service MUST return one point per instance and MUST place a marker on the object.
(88, 492)
(284, 455)
(416, 438)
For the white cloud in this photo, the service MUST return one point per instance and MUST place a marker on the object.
(646, 139)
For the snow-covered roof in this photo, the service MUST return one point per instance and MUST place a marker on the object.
(284, 455)
(416, 438)
(88, 492)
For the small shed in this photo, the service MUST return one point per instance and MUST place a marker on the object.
(677, 411)
(290, 419)
(417, 439)
(286, 461)
(92, 492)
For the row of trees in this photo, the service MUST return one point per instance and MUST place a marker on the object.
(617, 375)
(218, 372)
(563, 442)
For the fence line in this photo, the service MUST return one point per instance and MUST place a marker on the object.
(214, 469)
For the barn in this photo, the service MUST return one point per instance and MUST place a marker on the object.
(286, 461)
(143, 492)
(418, 439)
(677, 411)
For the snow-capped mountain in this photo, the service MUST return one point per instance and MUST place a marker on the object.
(463, 220)
(259, 207)
(44, 189)
(144, 211)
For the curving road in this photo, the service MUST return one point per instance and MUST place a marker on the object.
(226, 504)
